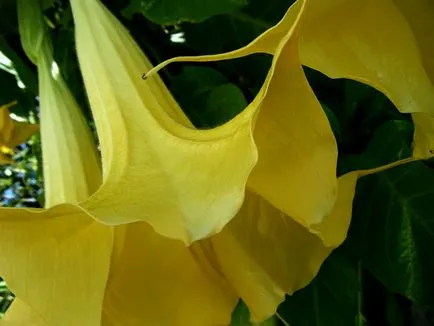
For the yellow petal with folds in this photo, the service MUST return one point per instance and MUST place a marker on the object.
(376, 47)
(21, 314)
(158, 281)
(71, 165)
(57, 262)
(265, 254)
(186, 183)
(371, 41)
(297, 149)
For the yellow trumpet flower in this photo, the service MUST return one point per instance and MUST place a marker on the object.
(75, 263)
(199, 189)
(12, 133)
(109, 259)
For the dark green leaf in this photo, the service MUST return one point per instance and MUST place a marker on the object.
(331, 299)
(11, 92)
(206, 96)
(27, 75)
(390, 142)
(8, 17)
(393, 229)
(241, 317)
(394, 316)
(170, 12)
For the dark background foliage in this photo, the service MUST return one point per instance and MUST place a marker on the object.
(383, 274)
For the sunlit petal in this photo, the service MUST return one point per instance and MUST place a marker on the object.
(371, 41)
(156, 167)
(296, 171)
(158, 281)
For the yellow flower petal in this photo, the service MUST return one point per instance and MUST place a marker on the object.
(420, 16)
(6, 123)
(296, 171)
(423, 139)
(370, 41)
(265, 254)
(57, 262)
(333, 229)
(156, 167)
(21, 314)
(13, 133)
(376, 47)
(5, 157)
(71, 165)
(158, 281)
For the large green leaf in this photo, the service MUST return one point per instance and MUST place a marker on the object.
(393, 226)
(394, 229)
(169, 12)
(333, 298)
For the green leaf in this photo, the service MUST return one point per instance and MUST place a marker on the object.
(8, 17)
(170, 12)
(206, 96)
(392, 311)
(390, 142)
(241, 317)
(25, 73)
(11, 92)
(393, 226)
(332, 298)
(393, 229)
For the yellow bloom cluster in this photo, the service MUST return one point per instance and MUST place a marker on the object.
(181, 223)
